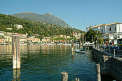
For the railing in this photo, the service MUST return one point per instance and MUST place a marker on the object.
(110, 50)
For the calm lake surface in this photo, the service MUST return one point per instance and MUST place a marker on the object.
(45, 63)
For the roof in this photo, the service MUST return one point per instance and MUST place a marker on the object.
(96, 26)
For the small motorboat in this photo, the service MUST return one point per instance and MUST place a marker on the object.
(80, 50)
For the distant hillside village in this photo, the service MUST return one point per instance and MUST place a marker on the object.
(110, 32)
(6, 37)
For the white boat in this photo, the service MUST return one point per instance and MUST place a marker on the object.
(80, 51)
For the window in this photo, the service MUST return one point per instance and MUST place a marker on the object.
(110, 29)
(115, 28)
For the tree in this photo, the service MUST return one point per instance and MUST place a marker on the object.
(91, 35)
(94, 36)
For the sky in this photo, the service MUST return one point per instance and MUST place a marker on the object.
(77, 13)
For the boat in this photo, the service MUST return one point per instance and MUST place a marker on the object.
(80, 50)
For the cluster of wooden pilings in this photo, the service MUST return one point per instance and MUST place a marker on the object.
(65, 77)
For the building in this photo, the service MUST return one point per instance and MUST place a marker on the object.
(18, 26)
(8, 39)
(1, 33)
(112, 31)
(9, 29)
(77, 35)
(1, 40)
(33, 40)
(46, 40)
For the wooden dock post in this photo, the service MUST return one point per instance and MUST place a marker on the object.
(72, 47)
(98, 72)
(114, 52)
(16, 52)
(114, 80)
(16, 75)
(77, 79)
(64, 76)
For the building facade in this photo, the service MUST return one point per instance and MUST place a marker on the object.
(112, 31)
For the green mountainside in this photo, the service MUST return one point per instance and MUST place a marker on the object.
(32, 27)
(47, 18)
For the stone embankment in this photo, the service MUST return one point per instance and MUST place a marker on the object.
(109, 64)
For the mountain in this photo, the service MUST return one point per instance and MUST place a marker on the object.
(33, 27)
(47, 18)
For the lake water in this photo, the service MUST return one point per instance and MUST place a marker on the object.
(45, 63)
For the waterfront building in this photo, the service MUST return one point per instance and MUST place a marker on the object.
(8, 39)
(33, 40)
(110, 32)
(1, 40)
(77, 35)
(46, 40)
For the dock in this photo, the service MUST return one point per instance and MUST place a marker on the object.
(110, 64)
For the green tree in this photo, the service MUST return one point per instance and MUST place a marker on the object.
(93, 36)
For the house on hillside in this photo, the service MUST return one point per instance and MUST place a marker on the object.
(1, 33)
(18, 26)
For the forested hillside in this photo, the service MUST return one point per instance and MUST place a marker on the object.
(32, 27)
(48, 18)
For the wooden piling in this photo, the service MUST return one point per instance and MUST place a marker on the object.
(98, 72)
(114, 80)
(16, 52)
(114, 52)
(64, 76)
(77, 79)
(72, 47)
(16, 75)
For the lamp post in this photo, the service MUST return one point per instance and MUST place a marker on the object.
(115, 39)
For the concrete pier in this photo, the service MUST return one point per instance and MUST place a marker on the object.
(109, 64)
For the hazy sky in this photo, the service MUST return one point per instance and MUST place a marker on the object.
(78, 13)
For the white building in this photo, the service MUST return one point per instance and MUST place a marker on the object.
(77, 35)
(110, 31)
(18, 26)
(1, 33)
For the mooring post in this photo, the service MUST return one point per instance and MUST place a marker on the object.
(109, 49)
(98, 72)
(16, 75)
(77, 79)
(16, 52)
(114, 52)
(72, 47)
(64, 76)
(114, 80)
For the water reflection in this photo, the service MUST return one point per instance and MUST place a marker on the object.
(45, 63)
(16, 75)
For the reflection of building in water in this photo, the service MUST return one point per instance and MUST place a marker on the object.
(47, 49)
(7, 49)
